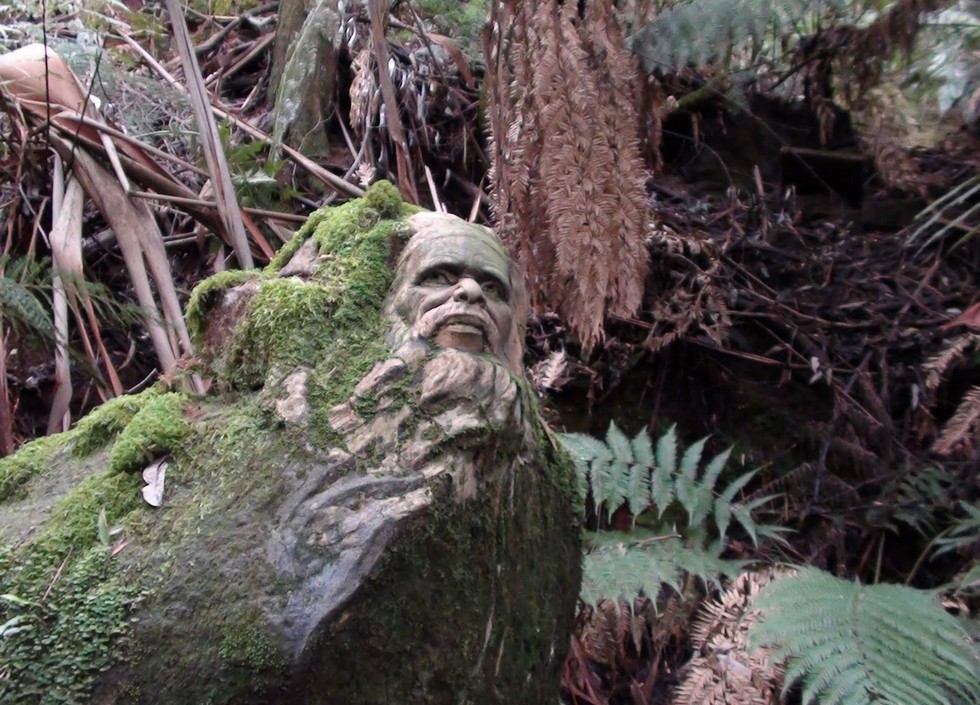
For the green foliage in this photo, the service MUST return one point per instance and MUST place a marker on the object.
(916, 499)
(660, 491)
(712, 31)
(683, 520)
(67, 627)
(20, 300)
(624, 564)
(963, 535)
(861, 644)
(460, 19)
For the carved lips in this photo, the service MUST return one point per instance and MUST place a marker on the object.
(458, 325)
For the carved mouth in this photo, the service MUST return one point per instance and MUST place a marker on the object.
(462, 332)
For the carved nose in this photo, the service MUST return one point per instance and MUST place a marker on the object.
(468, 290)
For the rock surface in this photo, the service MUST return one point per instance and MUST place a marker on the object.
(355, 515)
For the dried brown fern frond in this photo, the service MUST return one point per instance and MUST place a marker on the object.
(937, 365)
(964, 427)
(568, 179)
(724, 671)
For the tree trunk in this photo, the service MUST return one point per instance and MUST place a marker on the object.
(304, 71)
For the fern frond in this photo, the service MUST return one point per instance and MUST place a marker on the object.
(864, 644)
(963, 425)
(963, 533)
(667, 451)
(624, 565)
(704, 31)
(724, 670)
(937, 365)
(20, 307)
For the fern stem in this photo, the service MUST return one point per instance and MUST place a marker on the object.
(881, 550)
(925, 552)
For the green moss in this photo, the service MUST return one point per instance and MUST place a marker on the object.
(156, 428)
(70, 594)
(103, 424)
(28, 461)
(75, 621)
(74, 521)
(202, 297)
(247, 642)
(291, 322)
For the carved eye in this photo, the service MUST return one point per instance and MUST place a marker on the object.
(435, 277)
(495, 290)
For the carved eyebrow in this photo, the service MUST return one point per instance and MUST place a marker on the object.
(481, 274)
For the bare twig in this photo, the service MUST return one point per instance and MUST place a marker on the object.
(378, 9)
(214, 154)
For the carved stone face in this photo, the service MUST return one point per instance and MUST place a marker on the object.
(456, 288)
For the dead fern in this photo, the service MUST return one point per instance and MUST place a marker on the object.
(568, 181)
(954, 352)
(963, 427)
(724, 670)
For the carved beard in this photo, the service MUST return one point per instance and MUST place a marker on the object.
(473, 384)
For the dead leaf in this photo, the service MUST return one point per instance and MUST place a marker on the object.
(154, 476)
(969, 318)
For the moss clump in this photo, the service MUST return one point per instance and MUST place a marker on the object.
(291, 322)
(28, 461)
(283, 326)
(202, 297)
(103, 424)
(246, 642)
(156, 428)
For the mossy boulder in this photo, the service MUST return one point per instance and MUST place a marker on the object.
(341, 523)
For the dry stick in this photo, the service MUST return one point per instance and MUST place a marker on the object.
(119, 212)
(214, 154)
(258, 47)
(314, 169)
(378, 9)
(436, 203)
(146, 147)
(202, 203)
(158, 180)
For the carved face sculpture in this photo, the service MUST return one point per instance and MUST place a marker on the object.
(456, 288)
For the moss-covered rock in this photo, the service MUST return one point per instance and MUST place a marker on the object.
(334, 511)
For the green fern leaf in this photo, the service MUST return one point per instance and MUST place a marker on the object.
(619, 444)
(584, 447)
(643, 449)
(852, 644)
(723, 505)
(623, 565)
(20, 307)
(638, 490)
(714, 468)
(686, 484)
(692, 458)
(667, 451)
